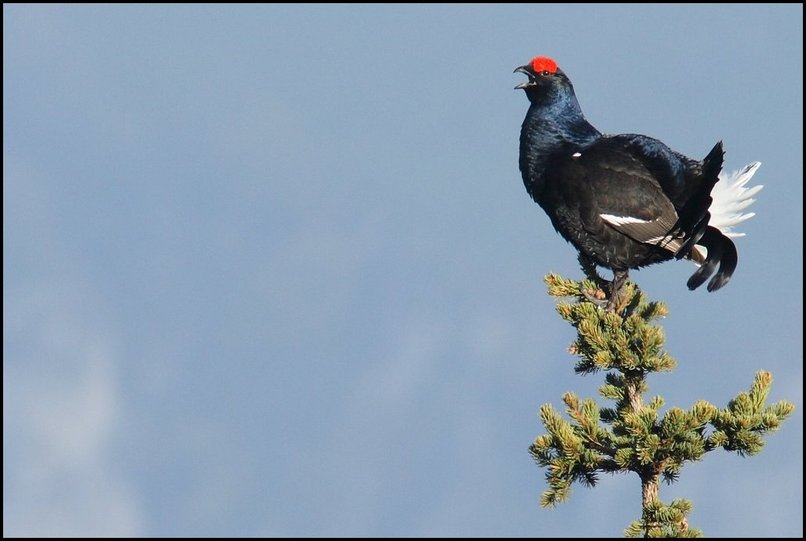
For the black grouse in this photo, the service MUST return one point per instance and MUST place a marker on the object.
(626, 201)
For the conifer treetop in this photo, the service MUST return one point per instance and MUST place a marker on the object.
(633, 436)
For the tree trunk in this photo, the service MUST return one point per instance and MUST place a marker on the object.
(649, 489)
(650, 483)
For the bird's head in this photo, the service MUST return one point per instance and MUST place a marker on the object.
(545, 78)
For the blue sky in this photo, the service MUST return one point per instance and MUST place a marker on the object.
(271, 270)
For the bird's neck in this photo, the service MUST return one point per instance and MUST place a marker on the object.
(552, 126)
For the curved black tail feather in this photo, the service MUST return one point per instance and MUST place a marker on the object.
(722, 253)
(711, 261)
(727, 264)
(694, 236)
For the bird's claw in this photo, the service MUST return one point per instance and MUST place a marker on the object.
(609, 296)
(596, 297)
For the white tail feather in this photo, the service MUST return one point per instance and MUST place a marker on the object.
(731, 197)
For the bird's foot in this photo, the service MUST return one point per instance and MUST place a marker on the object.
(608, 294)
(617, 296)
(597, 296)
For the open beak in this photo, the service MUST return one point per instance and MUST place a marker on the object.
(525, 71)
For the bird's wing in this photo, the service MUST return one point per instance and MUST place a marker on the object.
(667, 167)
(614, 188)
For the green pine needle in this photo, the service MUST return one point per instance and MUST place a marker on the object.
(631, 436)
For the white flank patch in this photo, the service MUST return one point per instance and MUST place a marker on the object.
(663, 242)
(731, 197)
(576, 155)
(622, 220)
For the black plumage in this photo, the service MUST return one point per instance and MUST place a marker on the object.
(624, 201)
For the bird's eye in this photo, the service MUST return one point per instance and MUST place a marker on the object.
(545, 73)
